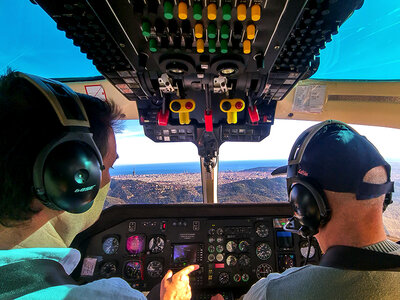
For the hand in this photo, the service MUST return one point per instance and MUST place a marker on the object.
(217, 297)
(177, 287)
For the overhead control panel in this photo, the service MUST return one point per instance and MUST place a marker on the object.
(233, 251)
(159, 51)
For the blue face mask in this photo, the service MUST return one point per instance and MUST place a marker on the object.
(61, 230)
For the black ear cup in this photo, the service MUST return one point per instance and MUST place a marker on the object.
(310, 207)
(71, 177)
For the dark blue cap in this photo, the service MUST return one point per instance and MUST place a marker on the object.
(336, 157)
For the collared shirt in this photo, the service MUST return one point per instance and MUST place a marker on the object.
(318, 282)
(112, 288)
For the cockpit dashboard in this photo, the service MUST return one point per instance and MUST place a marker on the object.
(234, 245)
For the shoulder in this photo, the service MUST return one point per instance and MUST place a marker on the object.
(259, 289)
(112, 288)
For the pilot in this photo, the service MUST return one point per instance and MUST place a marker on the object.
(338, 185)
(36, 121)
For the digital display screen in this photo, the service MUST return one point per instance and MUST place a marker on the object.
(284, 239)
(280, 222)
(185, 254)
(135, 244)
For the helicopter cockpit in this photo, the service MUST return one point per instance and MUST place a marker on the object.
(209, 72)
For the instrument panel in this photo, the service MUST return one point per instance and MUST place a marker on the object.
(235, 245)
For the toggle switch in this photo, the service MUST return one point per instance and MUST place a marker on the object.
(200, 46)
(255, 12)
(241, 12)
(246, 47)
(212, 11)
(162, 118)
(168, 10)
(251, 31)
(198, 30)
(253, 113)
(231, 107)
(183, 107)
(182, 10)
(208, 120)
(197, 11)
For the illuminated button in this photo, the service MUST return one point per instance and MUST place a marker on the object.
(246, 47)
(197, 11)
(212, 46)
(168, 10)
(212, 11)
(146, 28)
(153, 45)
(241, 12)
(256, 12)
(251, 31)
(224, 46)
(238, 105)
(212, 31)
(226, 12)
(225, 31)
(200, 46)
(220, 257)
(198, 30)
(182, 10)
(188, 105)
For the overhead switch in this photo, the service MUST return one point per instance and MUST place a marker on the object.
(251, 31)
(241, 12)
(225, 31)
(256, 12)
(226, 11)
(198, 30)
(200, 46)
(182, 10)
(146, 28)
(246, 47)
(231, 107)
(211, 45)
(153, 45)
(224, 46)
(168, 10)
(183, 107)
(197, 11)
(212, 11)
(212, 31)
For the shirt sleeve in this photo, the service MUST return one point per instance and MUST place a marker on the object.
(257, 290)
(112, 288)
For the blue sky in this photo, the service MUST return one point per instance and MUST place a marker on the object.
(367, 46)
(134, 148)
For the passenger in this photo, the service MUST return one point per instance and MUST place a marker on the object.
(27, 124)
(338, 184)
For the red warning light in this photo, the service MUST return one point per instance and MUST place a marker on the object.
(189, 105)
(219, 266)
(238, 105)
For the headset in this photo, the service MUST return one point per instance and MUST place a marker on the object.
(306, 196)
(67, 171)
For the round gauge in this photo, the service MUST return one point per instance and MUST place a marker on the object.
(244, 246)
(211, 249)
(108, 269)
(245, 277)
(211, 240)
(211, 231)
(304, 250)
(231, 246)
(133, 270)
(244, 260)
(156, 244)
(223, 278)
(220, 231)
(237, 277)
(262, 230)
(263, 270)
(263, 251)
(135, 244)
(155, 269)
(220, 240)
(219, 248)
(110, 245)
(231, 261)
(220, 257)
(211, 257)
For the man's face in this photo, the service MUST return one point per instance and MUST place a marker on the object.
(109, 159)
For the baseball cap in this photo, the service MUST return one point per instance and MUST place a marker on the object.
(336, 157)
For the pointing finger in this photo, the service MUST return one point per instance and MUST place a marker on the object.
(188, 270)
(168, 275)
